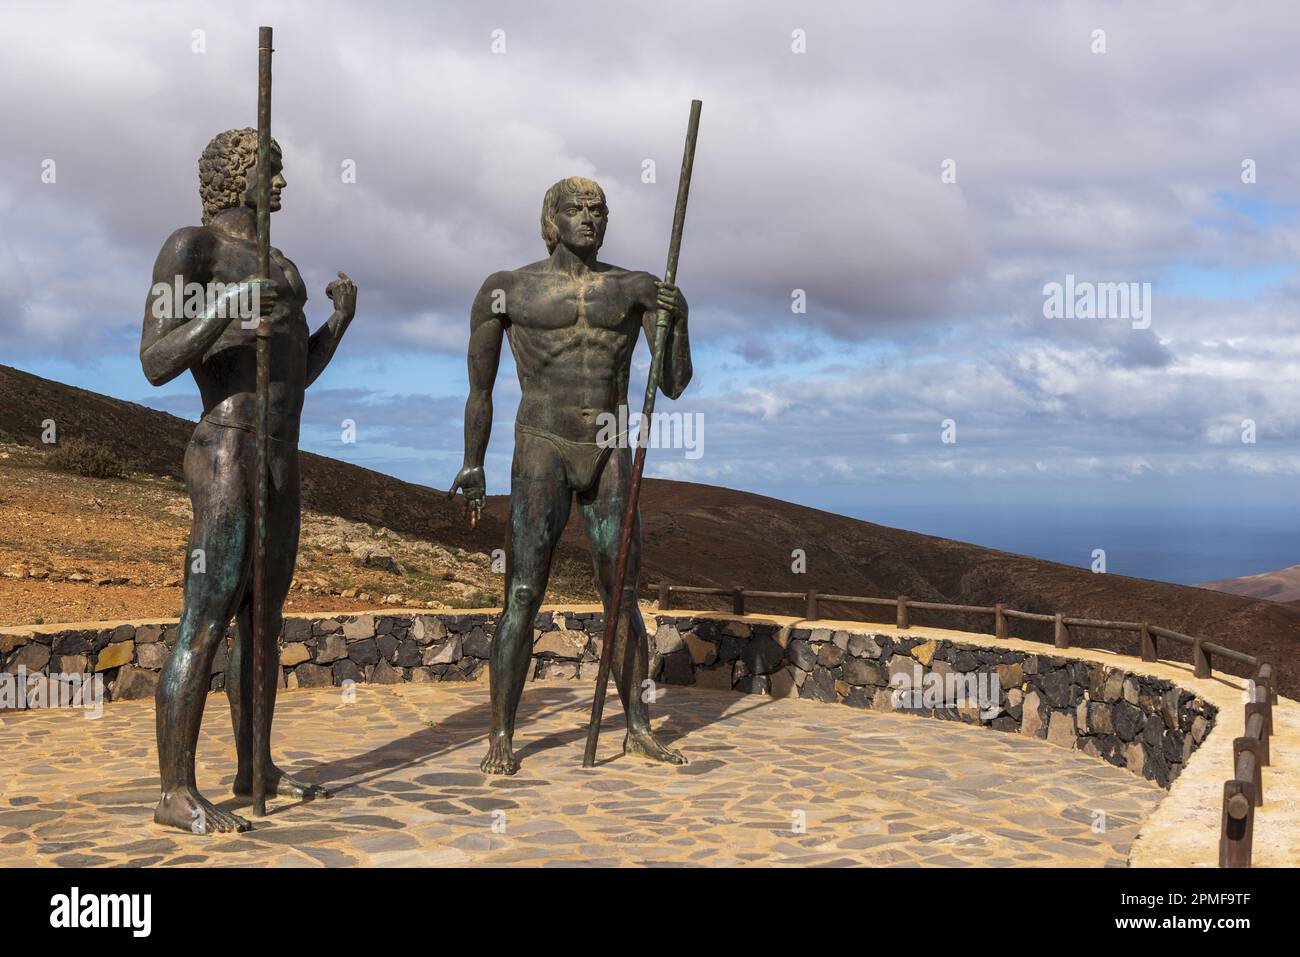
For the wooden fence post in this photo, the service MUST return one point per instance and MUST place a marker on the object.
(1264, 676)
(999, 621)
(1148, 643)
(1237, 825)
(1062, 633)
(903, 623)
(1200, 659)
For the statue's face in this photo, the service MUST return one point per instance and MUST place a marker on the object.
(580, 221)
(277, 183)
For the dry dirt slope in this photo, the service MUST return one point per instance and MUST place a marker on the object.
(697, 534)
(1281, 585)
(74, 548)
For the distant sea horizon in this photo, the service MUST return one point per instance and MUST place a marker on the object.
(1185, 545)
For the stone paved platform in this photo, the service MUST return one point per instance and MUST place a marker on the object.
(871, 788)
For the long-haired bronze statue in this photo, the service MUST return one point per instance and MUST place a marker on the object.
(227, 470)
(573, 323)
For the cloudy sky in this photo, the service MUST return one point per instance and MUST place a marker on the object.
(919, 170)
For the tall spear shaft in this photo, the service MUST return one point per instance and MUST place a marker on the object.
(662, 322)
(260, 729)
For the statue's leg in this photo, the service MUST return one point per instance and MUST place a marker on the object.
(216, 571)
(602, 514)
(540, 498)
(283, 523)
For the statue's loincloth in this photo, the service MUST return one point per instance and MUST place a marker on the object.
(582, 461)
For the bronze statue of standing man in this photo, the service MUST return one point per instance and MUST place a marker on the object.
(216, 343)
(573, 323)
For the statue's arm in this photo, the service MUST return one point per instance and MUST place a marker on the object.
(676, 371)
(486, 329)
(170, 343)
(320, 348)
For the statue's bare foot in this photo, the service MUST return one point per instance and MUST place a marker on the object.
(645, 744)
(500, 759)
(190, 811)
(281, 784)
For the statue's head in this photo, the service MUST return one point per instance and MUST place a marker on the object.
(574, 213)
(227, 172)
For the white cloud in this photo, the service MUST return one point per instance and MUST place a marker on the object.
(818, 171)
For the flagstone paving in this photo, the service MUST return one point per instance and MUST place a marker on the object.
(785, 782)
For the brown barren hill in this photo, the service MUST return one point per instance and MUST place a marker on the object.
(154, 442)
(705, 535)
(1282, 585)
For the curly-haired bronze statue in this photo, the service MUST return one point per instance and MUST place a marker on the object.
(218, 348)
(225, 170)
(573, 323)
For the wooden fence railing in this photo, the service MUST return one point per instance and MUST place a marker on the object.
(1242, 793)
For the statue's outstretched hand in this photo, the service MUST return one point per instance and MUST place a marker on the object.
(474, 483)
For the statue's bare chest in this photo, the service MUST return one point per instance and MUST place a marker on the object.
(563, 302)
(238, 261)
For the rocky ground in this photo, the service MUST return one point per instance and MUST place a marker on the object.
(79, 549)
(770, 782)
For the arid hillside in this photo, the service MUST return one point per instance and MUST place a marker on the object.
(74, 548)
(693, 534)
(1282, 585)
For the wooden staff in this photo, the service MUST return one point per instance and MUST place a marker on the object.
(662, 323)
(260, 729)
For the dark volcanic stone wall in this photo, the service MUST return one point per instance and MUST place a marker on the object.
(1148, 725)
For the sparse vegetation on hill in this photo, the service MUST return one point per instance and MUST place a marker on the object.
(76, 548)
(86, 458)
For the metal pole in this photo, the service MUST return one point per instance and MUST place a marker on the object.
(638, 463)
(260, 730)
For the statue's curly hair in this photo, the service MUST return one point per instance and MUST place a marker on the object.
(573, 186)
(223, 169)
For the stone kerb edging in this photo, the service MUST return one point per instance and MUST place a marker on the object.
(1149, 717)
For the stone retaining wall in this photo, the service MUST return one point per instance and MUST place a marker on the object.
(1146, 724)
